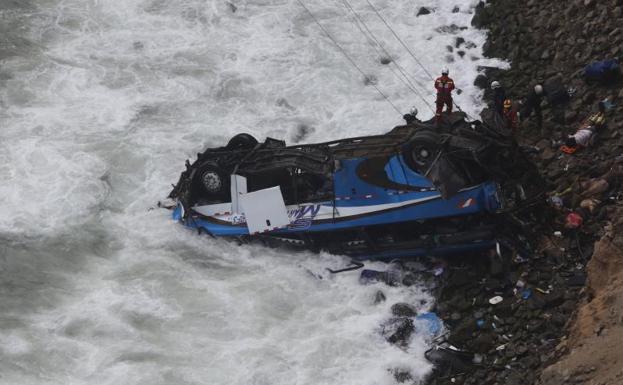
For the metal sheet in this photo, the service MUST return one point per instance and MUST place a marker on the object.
(264, 210)
(238, 187)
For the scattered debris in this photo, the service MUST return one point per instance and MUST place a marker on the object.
(573, 221)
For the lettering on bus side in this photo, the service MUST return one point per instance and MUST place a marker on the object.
(308, 211)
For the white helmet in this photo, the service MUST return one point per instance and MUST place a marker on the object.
(495, 84)
(445, 71)
(538, 89)
(413, 111)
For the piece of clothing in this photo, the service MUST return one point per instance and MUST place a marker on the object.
(510, 117)
(441, 101)
(582, 137)
(598, 120)
(444, 86)
(568, 149)
(499, 96)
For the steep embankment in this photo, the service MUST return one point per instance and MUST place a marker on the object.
(545, 39)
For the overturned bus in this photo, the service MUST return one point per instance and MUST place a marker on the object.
(420, 189)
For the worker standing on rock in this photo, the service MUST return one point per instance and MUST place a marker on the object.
(444, 85)
(499, 96)
(533, 103)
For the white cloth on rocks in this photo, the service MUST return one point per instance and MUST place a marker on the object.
(583, 136)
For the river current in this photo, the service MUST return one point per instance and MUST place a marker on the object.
(102, 101)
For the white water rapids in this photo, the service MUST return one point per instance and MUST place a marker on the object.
(102, 101)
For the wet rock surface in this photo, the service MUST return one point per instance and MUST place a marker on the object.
(546, 309)
(562, 294)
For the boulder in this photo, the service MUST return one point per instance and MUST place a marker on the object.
(481, 17)
(379, 297)
(398, 331)
(423, 11)
(483, 343)
(402, 309)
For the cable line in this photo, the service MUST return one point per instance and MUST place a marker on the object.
(348, 57)
(411, 53)
(400, 40)
(372, 44)
(350, 7)
(408, 82)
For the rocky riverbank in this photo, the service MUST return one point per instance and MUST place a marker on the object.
(545, 39)
(560, 318)
(552, 312)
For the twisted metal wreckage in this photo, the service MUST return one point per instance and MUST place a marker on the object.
(420, 189)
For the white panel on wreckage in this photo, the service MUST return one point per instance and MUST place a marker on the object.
(238, 186)
(264, 210)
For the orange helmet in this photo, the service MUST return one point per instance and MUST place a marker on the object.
(508, 103)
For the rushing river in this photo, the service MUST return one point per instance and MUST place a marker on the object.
(101, 102)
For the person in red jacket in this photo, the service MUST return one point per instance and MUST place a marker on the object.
(510, 116)
(444, 86)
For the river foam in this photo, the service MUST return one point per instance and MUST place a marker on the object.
(101, 103)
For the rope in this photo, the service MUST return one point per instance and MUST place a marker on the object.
(408, 82)
(348, 57)
(350, 7)
(372, 44)
(400, 40)
(411, 53)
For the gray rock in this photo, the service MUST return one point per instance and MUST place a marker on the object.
(558, 320)
(556, 298)
(402, 309)
(452, 28)
(588, 97)
(370, 80)
(398, 331)
(379, 297)
(423, 11)
(571, 12)
(545, 55)
(402, 375)
(568, 306)
(483, 343)
(481, 18)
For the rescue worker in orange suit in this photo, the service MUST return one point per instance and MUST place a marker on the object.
(444, 86)
(510, 115)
